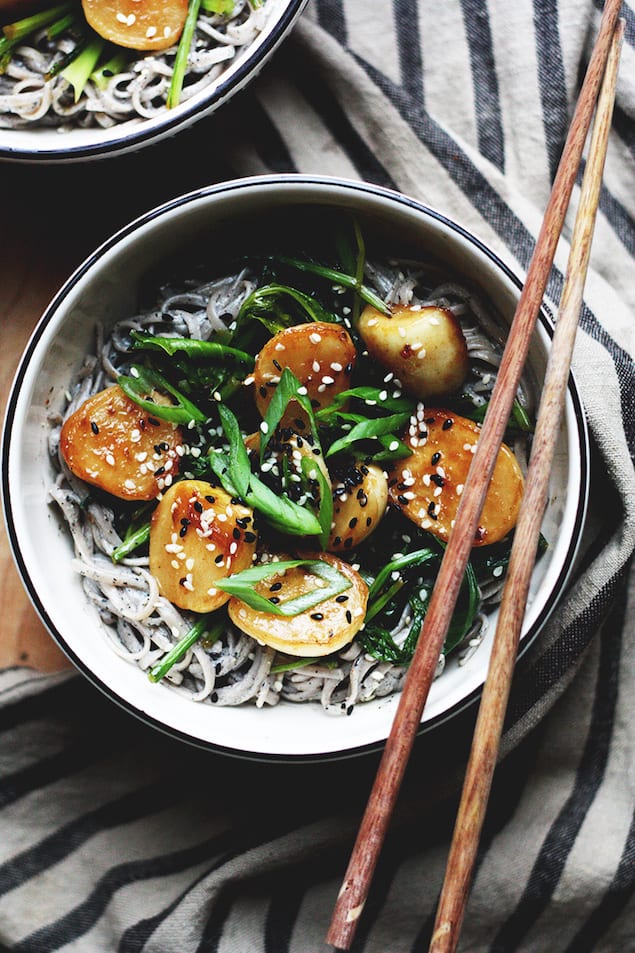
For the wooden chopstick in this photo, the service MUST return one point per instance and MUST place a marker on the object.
(356, 884)
(480, 769)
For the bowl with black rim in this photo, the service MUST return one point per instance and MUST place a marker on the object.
(194, 233)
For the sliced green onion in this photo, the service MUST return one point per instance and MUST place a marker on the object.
(366, 429)
(21, 28)
(241, 585)
(78, 72)
(105, 72)
(279, 511)
(59, 26)
(312, 471)
(373, 396)
(182, 54)
(288, 389)
(417, 558)
(147, 380)
(263, 305)
(206, 350)
(238, 460)
(176, 653)
(340, 278)
(221, 7)
(132, 542)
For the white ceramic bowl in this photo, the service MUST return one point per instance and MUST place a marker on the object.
(107, 284)
(49, 145)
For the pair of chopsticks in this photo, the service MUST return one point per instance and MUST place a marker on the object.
(598, 90)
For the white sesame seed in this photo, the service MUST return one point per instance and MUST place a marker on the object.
(315, 338)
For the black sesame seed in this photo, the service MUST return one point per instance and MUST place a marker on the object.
(318, 616)
(348, 542)
(300, 424)
(437, 478)
(182, 581)
(349, 616)
(183, 531)
(432, 511)
(198, 506)
(160, 471)
(402, 499)
(262, 391)
(352, 523)
(275, 587)
(435, 457)
(337, 540)
(153, 421)
(218, 559)
(243, 522)
(276, 364)
(369, 520)
(341, 599)
(274, 600)
(236, 533)
(94, 427)
(213, 697)
(447, 423)
(210, 499)
(250, 537)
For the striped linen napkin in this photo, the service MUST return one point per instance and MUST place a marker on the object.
(115, 839)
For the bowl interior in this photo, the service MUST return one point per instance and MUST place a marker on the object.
(111, 284)
(72, 145)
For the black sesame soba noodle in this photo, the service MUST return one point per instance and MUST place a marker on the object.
(35, 91)
(377, 429)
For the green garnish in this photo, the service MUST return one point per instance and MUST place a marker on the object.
(366, 429)
(288, 389)
(234, 472)
(267, 305)
(79, 70)
(222, 7)
(199, 629)
(241, 586)
(20, 29)
(182, 54)
(204, 350)
(105, 72)
(339, 278)
(143, 381)
(133, 540)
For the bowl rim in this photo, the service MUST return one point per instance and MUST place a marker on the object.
(258, 181)
(136, 136)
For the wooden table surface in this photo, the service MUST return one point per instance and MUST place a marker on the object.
(51, 218)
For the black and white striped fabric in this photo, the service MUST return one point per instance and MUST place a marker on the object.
(115, 839)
